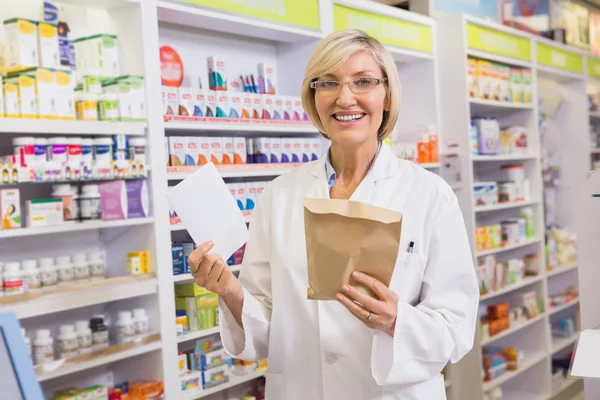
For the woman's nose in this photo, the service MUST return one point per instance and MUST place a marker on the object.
(345, 97)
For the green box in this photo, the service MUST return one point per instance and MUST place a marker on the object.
(189, 290)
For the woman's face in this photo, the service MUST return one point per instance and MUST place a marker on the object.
(362, 114)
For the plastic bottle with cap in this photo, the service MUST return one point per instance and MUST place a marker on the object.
(13, 279)
(48, 272)
(89, 202)
(81, 267)
(142, 322)
(84, 336)
(99, 333)
(64, 268)
(64, 191)
(27, 341)
(96, 264)
(125, 327)
(43, 349)
(24, 148)
(68, 346)
(32, 279)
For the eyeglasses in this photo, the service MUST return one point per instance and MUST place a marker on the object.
(357, 86)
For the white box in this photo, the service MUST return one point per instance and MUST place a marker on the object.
(236, 102)
(275, 150)
(239, 150)
(227, 150)
(287, 145)
(176, 151)
(297, 149)
(278, 107)
(191, 150)
(251, 195)
(256, 112)
(121, 89)
(246, 106)
(65, 97)
(48, 45)
(267, 105)
(288, 108)
(103, 53)
(1, 98)
(216, 150)
(266, 78)
(185, 97)
(200, 102)
(170, 100)
(27, 99)
(21, 39)
(46, 90)
(306, 150)
(44, 212)
(240, 194)
(315, 145)
(11, 98)
(211, 104)
(137, 95)
(203, 150)
(262, 150)
(223, 105)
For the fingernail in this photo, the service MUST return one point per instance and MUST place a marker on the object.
(346, 288)
(339, 296)
(356, 274)
(211, 244)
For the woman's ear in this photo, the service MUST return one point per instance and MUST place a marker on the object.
(388, 103)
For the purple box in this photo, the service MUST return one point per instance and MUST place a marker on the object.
(138, 204)
(113, 200)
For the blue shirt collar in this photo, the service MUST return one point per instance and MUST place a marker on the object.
(330, 172)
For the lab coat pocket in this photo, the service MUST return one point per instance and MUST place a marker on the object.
(408, 276)
(275, 388)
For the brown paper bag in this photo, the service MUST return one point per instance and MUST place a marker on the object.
(344, 236)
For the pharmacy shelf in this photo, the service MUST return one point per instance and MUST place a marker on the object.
(524, 243)
(231, 23)
(557, 74)
(559, 344)
(507, 157)
(500, 59)
(70, 368)
(75, 296)
(234, 171)
(483, 105)
(198, 334)
(561, 270)
(505, 206)
(75, 227)
(567, 383)
(78, 128)
(73, 182)
(595, 114)
(514, 328)
(523, 283)
(180, 124)
(189, 277)
(557, 309)
(528, 362)
(234, 380)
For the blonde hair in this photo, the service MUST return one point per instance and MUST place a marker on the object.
(331, 53)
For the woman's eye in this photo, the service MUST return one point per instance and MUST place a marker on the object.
(362, 82)
(329, 84)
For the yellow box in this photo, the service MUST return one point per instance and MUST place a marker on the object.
(484, 79)
(65, 96)
(1, 98)
(21, 40)
(11, 98)
(138, 262)
(44, 82)
(26, 94)
(48, 45)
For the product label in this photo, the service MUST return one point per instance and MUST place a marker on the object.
(388, 30)
(554, 57)
(13, 286)
(97, 270)
(90, 209)
(594, 67)
(497, 42)
(85, 343)
(125, 333)
(141, 327)
(34, 281)
(43, 354)
(67, 347)
(66, 275)
(49, 278)
(82, 272)
(100, 339)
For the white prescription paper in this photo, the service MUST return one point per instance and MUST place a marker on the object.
(585, 362)
(208, 211)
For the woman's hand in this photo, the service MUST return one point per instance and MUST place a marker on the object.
(211, 272)
(378, 312)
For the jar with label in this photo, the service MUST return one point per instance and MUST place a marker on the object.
(48, 272)
(58, 149)
(510, 232)
(513, 173)
(89, 202)
(137, 149)
(108, 107)
(64, 191)
(27, 341)
(68, 346)
(142, 323)
(31, 275)
(81, 267)
(65, 270)
(103, 151)
(74, 157)
(13, 279)
(24, 148)
(87, 157)
(43, 347)
(99, 333)
(125, 327)
(507, 192)
(96, 264)
(86, 106)
(84, 337)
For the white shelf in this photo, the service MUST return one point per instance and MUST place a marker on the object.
(500, 59)
(559, 344)
(71, 368)
(54, 127)
(230, 23)
(234, 380)
(188, 277)
(234, 171)
(508, 248)
(567, 383)
(504, 206)
(557, 309)
(557, 74)
(490, 105)
(525, 282)
(507, 157)
(74, 227)
(210, 127)
(512, 329)
(83, 296)
(528, 362)
(561, 270)
(198, 334)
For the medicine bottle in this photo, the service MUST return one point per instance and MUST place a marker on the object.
(84, 337)
(89, 202)
(125, 327)
(68, 345)
(75, 205)
(87, 157)
(32, 279)
(99, 333)
(43, 347)
(27, 341)
(48, 272)
(40, 152)
(142, 323)
(65, 192)
(96, 264)
(81, 267)
(137, 150)
(58, 149)
(13, 279)
(24, 149)
(64, 268)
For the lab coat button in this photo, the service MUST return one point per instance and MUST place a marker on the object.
(331, 359)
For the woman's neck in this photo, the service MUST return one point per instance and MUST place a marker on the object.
(351, 163)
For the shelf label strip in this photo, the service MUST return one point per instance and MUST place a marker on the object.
(388, 30)
(558, 58)
(499, 43)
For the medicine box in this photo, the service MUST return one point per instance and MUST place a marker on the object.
(44, 212)
(211, 104)
(267, 105)
(199, 102)
(262, 150)
(177, 257)
(26, 86)
(286, 150)
(10, 208)
(176, 151)
(278, 107)
(212, 359)
(203, 150)
(256, 112)
(236, 102)
(170, 100)
(45, 91)
(216, 73)
(92, 84)
(251, 195)
(21, 39)
(297, 149)
(246, 106)
(138, 262)
(102, 53)
(190, 290)
(137, 95)
(48, 45)
(298, 110)
(227, 150)
(185, 97)
(65, 98)
(216, 150)
(266, 78)
(288, 108)
(191, 150)
(121, 89)
(488, 133)
(315, 146)
(223, 105)
(1, 98)
(11, 98)
(275, 145)
(113, 200)
(138, 201)
(240, 194)
(239, 150)
(306, 150)
(215, 376)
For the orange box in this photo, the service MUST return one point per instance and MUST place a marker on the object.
(433, 149)
(423, 154)
(498, 325)
(499, 310)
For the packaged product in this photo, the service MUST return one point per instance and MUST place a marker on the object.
(472, 88)
(21, 38)
(484, 79)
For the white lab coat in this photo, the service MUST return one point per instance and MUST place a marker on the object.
(317, 350)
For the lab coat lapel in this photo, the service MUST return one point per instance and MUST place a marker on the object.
(386, 166)
(318, 187)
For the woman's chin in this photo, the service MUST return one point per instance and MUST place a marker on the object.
(349, 137)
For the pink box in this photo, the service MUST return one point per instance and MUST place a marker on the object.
(113, 200)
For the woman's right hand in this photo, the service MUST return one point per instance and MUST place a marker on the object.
(211, 272)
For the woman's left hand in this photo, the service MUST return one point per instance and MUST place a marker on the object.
(377, 312)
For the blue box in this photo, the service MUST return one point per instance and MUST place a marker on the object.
(177, 254)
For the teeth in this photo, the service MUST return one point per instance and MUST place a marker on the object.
(348, 117)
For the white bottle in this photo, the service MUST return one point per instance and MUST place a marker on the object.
(96, 264)
(13, 279)
(125, 327)
(43, 350)
(64, 268)
(27, 341)
(89, 202)
(68, 345)
(31, 275)
(48, 272)
(81, 267)
(142, 323)
(84, 336)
